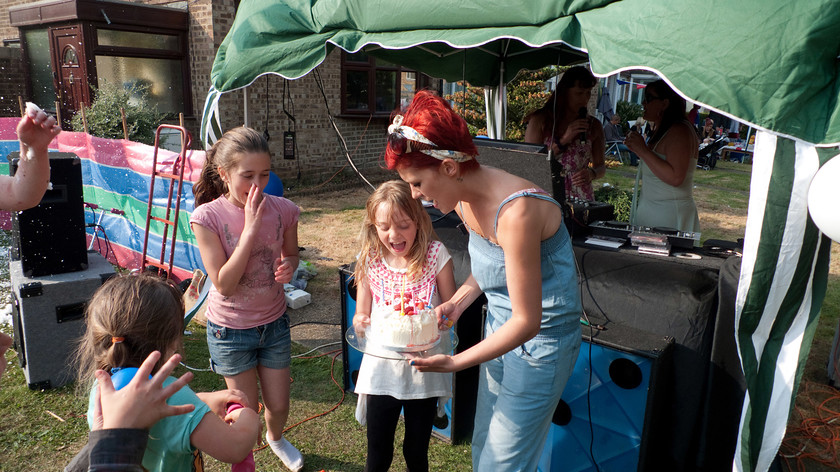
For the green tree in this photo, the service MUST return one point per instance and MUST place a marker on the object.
(469, 103)
(525, 93)
(105, 120)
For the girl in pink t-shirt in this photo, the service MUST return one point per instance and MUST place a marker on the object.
(249, 246)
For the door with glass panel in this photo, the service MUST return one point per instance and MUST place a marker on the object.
(70, 70)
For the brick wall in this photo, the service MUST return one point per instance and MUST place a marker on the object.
(319, 153)
(12, 82)
(7, 31)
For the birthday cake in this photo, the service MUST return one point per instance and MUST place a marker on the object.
(404, 323)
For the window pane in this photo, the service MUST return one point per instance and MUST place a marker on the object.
(356, 95)
(70, 56)
(408, 87)
(386, 90)
(40, 71)
(162, 76)
(131, 39)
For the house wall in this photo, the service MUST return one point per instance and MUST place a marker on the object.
(319, 153)
(12, 82)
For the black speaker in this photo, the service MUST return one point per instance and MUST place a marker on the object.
(456, 425)
(48, 316)
(50, 238)
(613, 410)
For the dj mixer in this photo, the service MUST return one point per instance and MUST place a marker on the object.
(621, 229)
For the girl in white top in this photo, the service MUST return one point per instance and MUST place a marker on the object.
(399, 256)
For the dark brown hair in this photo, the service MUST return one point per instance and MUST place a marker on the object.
(577, 76)
(673, 114)
(225, 153)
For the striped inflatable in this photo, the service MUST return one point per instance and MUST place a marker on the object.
(116, 174)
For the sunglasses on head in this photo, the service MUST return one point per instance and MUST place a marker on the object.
(399, 144)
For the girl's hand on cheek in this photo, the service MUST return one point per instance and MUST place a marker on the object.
(254, 205)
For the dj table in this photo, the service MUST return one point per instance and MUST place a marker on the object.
(691, 299)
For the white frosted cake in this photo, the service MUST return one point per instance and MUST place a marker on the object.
(406, 325)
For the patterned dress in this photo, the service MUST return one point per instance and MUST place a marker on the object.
(573, 158)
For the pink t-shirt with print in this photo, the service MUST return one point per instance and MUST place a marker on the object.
(258, 298)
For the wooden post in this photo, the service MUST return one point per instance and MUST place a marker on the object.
(84, 120)
(58, 113)
(21, 105)
(125, 127)
(181, 124)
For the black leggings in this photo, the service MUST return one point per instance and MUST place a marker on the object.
(383, 412)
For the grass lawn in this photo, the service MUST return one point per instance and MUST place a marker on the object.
(43, 430)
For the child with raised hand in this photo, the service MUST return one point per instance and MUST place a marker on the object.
(127, 319)
(399, 255)
(248, 243)
(122, 418)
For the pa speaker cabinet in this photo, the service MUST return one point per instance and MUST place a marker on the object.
(613, 409)
(528, 161)
(50, 238)
(48, 317)
(456, 424)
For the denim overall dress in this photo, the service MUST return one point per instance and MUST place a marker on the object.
(519, 390)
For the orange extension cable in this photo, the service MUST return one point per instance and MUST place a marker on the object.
(335, 354)
(817, 438)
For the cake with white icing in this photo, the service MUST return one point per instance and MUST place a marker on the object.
(404, 323)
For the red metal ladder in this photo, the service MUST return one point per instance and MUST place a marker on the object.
(176, 176)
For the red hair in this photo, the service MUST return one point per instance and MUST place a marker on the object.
(432, 117)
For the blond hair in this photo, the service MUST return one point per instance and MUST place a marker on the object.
(127, 318)
(396, 196)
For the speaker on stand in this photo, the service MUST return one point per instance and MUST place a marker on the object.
(50, 237)
(48, 317)
(612, 410)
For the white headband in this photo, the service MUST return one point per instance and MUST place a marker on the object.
(411, 134)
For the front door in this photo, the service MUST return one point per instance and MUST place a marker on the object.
(68, 53)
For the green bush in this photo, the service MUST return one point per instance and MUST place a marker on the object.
(105, 121)
(621, 200)
(628, 112)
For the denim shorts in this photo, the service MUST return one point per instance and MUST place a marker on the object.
(233, 351)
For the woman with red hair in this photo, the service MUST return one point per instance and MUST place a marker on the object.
(521, 259)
